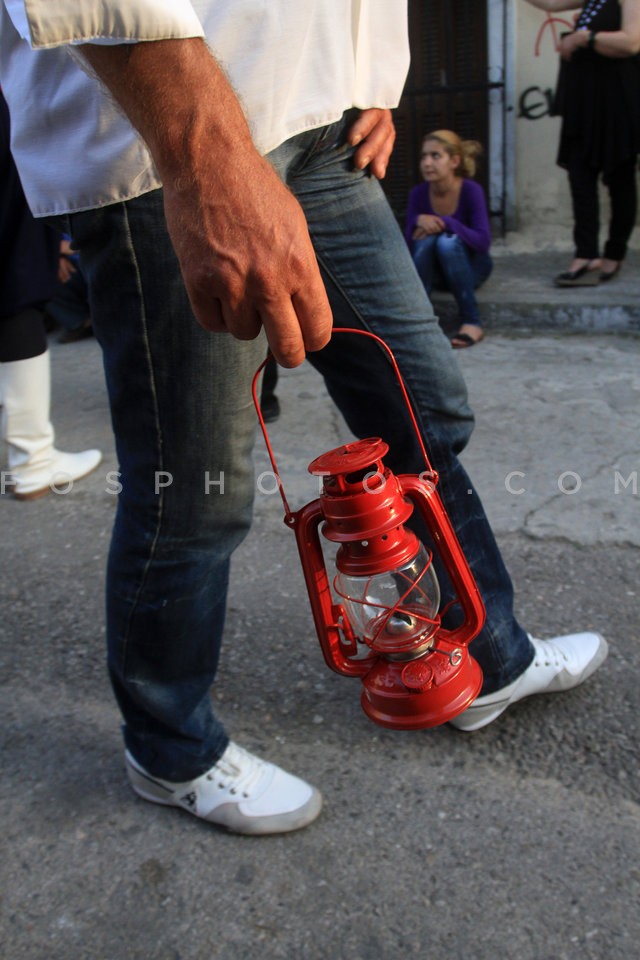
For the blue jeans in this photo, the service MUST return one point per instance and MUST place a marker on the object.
(181, 407)
(444, 262)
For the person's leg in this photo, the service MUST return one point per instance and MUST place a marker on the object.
(583, 182)
(584, 269)
(184, 423)
(423, 253)
(373, 285)
(269, 403)
(481, 266)
(68, 307)
(35, 465)
(623, 195)
(463, 272)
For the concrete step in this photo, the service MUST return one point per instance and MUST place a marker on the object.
(520, 296)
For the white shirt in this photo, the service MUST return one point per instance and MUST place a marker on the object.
(295, 65)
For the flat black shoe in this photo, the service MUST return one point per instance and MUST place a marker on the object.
(270, 409)
(583, 277)
(78, 333)
(606, 275)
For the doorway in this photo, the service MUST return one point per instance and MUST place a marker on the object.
(457, 80)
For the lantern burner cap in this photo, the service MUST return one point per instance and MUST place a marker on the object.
(349, 458)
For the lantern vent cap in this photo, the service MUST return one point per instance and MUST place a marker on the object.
(349, 458)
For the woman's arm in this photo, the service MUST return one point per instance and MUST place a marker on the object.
(427, 225)
(626, 41)
(473, 225)
(416, 204)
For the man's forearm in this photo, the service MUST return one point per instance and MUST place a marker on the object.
(172, 91)
(239, 234)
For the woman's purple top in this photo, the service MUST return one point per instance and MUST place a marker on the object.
(470, 221)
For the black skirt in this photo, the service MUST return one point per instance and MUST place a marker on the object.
(28, 247)
(598, 98)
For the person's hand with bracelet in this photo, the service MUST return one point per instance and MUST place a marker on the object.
(576, 40)
(616, 44)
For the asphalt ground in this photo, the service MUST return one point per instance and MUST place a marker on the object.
(518, 842)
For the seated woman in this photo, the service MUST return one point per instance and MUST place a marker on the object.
(447, 227)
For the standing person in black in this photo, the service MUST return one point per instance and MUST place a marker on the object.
(28, 270)
(598, 98)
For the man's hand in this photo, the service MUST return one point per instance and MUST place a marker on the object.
(374, 135)
(240, 235)
(246, 256)
(66, 268)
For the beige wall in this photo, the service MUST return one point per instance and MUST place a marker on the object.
(542, 196)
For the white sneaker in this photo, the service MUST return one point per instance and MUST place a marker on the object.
(241, 792)
(558, 664)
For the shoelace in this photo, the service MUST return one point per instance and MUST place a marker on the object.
(549, 655)
(230, 775)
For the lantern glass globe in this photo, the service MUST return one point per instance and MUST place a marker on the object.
(395, 612)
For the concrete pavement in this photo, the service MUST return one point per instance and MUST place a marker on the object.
(519, 842)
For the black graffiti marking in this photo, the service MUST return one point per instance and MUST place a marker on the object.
(535, 103)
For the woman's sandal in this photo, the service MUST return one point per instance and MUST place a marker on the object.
(462, 339)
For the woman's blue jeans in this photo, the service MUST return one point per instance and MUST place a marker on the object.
(444, 262)
(185, 425)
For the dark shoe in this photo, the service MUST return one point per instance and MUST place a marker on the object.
(78, 333)
(606, 275)
(584, 277)
(270, 408)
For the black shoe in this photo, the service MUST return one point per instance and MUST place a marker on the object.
(270, 408)
(78, 333)
(583, 277)
(606, 275)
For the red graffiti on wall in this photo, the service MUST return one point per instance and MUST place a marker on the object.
(556, 26)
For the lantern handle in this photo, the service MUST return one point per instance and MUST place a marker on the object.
(289, 516)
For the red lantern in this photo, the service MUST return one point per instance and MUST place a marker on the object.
(381, 622)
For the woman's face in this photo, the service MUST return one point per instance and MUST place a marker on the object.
(436, 163)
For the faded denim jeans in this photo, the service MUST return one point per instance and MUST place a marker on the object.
(182, 409)
(444, 262)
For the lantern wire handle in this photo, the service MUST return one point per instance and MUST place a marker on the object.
(289, 516)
